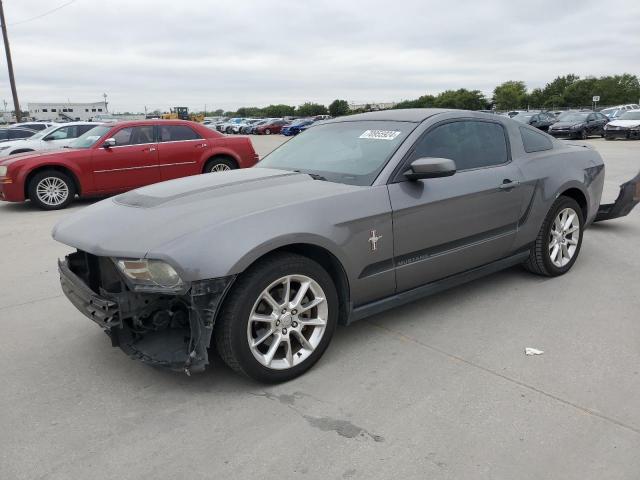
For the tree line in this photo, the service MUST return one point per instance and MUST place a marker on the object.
(564, 91)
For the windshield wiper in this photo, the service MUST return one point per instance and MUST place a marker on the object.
(315, 176)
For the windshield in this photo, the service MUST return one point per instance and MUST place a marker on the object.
(343, 152)
(88, 139)
(573, 117)
(45, 132)
(630, 116)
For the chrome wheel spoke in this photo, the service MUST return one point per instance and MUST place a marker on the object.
(313, 303)
(272, 349)
(260, 340)
(303, 340)
(564, 237)
(302, 291)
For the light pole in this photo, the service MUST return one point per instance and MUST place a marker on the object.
(105, 102)
(12, 81)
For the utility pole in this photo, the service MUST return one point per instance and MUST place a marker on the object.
(12, 81)
(105, 99)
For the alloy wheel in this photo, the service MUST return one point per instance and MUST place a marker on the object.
(219, 167)
(287, 322)
(564, 237)
(52, 191)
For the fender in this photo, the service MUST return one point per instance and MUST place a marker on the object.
(279, 242)
(24, 173)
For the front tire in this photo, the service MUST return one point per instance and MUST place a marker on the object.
(558, 243)
(51, 190)
(278, 319)
(584, 135)
(267, 131)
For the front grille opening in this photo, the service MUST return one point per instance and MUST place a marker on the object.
(96, 272)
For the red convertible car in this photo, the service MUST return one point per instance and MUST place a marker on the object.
(114, 158)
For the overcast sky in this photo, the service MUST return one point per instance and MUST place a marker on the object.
(227, 54)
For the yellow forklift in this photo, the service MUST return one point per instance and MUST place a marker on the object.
(182, 113)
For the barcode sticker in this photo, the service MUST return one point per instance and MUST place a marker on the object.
(380, 134)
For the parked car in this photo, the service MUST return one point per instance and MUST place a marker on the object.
(625, 126)
(579, 125)
(354, 217)
(540, 120)
(227, 127)
(273, 126)
(295, 127)
(14, 133)
(248, 123)
(37, 126)
(613, 112)
(52, 138)
(118, 157)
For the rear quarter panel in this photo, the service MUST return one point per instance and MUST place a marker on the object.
(548, 174)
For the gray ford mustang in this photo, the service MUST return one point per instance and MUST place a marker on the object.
(356, 215)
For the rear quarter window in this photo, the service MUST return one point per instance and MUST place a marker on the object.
(534, 141)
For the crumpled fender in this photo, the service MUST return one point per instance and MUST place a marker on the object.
(628, 198)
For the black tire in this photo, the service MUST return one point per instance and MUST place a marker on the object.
(56, 177)
(230, 330)
(267, 131)
(539, 261)
(229, 130)
(584, 134)
(608, 138)
(219, 164)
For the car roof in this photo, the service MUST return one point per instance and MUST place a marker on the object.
(415, 115)
(136, 123)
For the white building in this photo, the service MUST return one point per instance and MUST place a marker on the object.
(66, 110)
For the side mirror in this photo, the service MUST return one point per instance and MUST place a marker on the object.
(48, 138)
(109, 142)
(430, 168)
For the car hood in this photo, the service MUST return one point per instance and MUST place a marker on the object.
(68, 154)
(625, 123)
(148, 221)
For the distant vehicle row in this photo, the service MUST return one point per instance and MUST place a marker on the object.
(263, 126)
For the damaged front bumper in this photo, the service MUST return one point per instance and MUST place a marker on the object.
(165, 330)
(628, 198)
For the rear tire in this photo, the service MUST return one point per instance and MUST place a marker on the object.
(51, 190)
(276, 340)
(220, 164)
(558, 243)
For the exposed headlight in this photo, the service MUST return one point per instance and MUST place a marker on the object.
(3, 171)
(577, 126)
(150, 275)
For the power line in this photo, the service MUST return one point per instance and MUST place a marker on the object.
(48, 12)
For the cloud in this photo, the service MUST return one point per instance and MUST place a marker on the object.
(163, 53)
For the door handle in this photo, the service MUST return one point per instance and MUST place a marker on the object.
(201, 145)
(508, 184)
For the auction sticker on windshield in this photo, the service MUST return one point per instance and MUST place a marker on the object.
(380, 134)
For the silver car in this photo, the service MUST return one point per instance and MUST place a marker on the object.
(354, 216)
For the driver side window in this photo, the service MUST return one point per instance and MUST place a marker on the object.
(134, 136)
(470, 144)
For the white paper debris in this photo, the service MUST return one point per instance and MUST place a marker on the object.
(533, 351)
